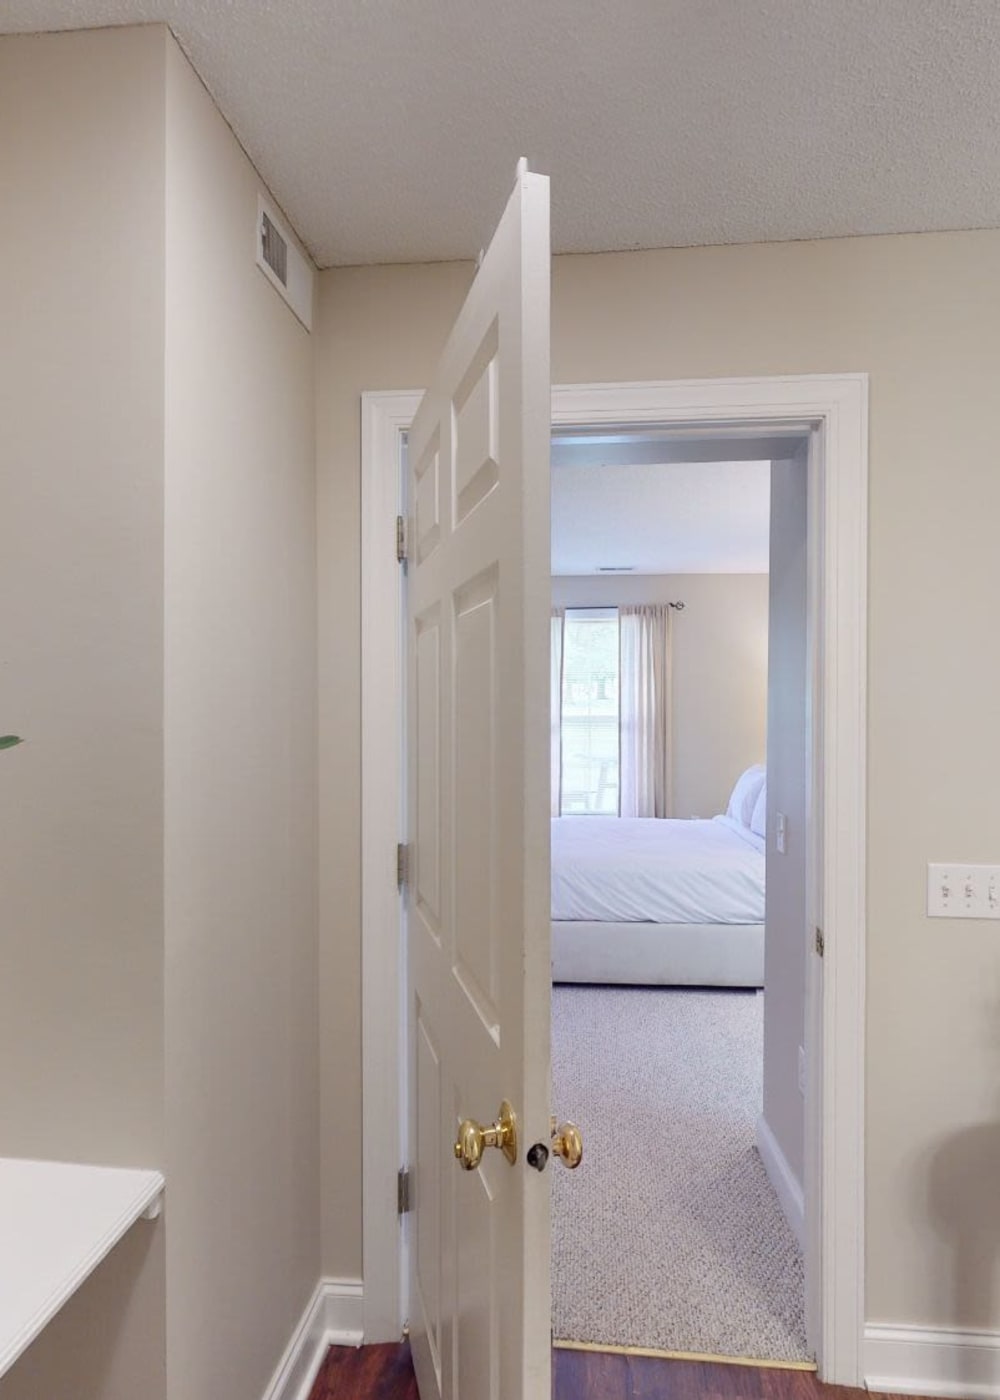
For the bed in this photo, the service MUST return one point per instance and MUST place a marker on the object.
(661, 902)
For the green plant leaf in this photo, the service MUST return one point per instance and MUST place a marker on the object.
(7, 741)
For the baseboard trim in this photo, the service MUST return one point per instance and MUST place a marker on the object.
(786, 1185)
(344, 1307)
(332, 1317)
(954, 1362)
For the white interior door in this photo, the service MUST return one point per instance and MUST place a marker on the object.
(478, 894)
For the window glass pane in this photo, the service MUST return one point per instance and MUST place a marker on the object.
(590, 712)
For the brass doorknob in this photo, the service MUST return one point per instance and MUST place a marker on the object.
(473, 1138)
(567, 1144)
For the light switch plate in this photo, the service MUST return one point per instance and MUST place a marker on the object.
(962, 891)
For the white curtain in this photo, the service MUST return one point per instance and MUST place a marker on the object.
(645, 711)
(558, 618)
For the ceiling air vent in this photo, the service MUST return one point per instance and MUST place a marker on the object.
(288, 272)
(615, 568)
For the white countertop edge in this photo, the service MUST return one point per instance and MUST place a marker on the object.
(148, 1187)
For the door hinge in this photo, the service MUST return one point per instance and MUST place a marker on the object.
(401, 539)
(403, 1191)
(820, 942)
(402, 864)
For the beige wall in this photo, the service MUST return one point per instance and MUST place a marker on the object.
(718, 690)
(785, 941)
(242, 1092)
(81, 654)
(158, 987)
(922, 315)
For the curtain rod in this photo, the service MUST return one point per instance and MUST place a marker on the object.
(571, 607)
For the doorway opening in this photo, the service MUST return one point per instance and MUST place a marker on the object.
(832, 412)
(680, 809)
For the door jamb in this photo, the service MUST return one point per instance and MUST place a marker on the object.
(834, 408)
(385, 417)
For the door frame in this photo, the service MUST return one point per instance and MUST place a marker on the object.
(833, 411)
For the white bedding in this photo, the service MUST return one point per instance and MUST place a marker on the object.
(624, 870)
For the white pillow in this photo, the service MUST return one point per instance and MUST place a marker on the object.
(744, 795)
(758, 822)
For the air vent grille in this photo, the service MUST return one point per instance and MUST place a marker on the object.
(289, 272)
(615, 568)
(274, 248)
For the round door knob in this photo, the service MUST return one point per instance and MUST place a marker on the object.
(473, 1138)
(469, 1144)
(567, 1145)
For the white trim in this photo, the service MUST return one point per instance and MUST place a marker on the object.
(812, 1165)
(333, 1317)
(932, 1361)
(344, 1312)
(300, 1363)
(787, 1186)
(835, 407)
(384, 417)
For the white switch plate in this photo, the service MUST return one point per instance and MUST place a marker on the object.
(958, 891)
(779, 832)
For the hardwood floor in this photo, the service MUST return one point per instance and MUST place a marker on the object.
(385, 1373)
(366, 1373)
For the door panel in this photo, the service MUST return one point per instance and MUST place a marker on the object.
(478, 894)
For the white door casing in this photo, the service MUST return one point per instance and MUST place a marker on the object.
(833, 409)
(478, 887)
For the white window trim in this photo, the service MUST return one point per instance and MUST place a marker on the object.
(834, 408)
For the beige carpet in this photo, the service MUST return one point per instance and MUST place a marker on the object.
(668, 1234)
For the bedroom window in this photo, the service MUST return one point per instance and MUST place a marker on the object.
(590, 713)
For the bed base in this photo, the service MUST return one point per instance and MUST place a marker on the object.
(658, 955)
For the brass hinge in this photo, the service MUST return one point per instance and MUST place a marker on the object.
(402, 864)
(401, 539)
(820, 942)
(403, 1191)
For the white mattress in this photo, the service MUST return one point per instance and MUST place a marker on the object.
(623, 870)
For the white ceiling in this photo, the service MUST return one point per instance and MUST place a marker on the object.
(661, 518)
(389, 129)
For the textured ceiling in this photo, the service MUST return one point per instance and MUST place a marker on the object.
(661, 518)
(389, 129)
